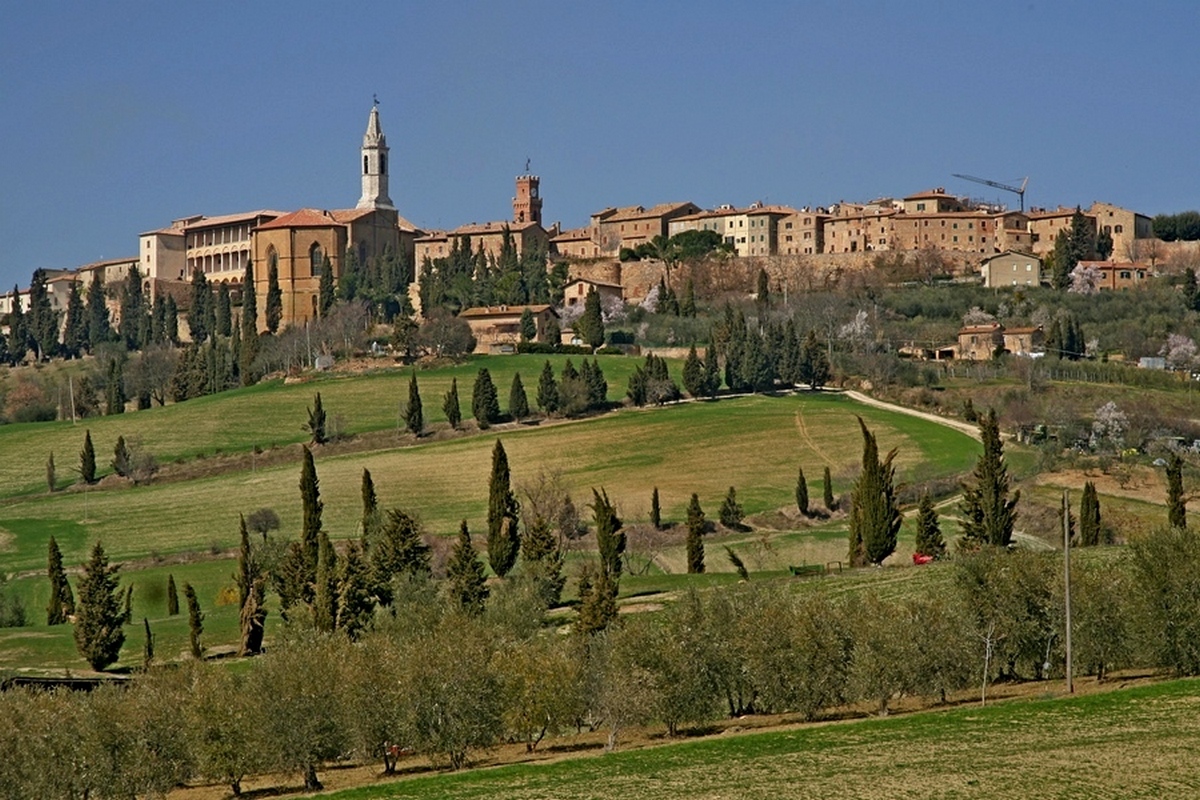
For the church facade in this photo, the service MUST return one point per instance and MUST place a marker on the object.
(299, 245)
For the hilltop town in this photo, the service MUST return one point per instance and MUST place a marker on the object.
(620, 252)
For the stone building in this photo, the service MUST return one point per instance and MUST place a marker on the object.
(1011, 268)
(498, 328)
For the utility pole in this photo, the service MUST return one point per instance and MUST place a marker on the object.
(1066, 523)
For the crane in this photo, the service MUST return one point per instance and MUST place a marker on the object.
(1019, 191)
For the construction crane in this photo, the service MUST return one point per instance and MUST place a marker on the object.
(1019, 191)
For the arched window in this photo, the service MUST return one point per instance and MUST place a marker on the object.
(317, 258)
(366, 165)
(383, 163)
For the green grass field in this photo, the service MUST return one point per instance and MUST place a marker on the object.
(1132, 743)
(271, 413)
(753, 443)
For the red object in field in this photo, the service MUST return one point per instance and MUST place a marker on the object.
(921, 558)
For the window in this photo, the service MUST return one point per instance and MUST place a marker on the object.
(1118, 229)
(316, 258)
(787, 225)
(383, 167)
(1126, 275)
(366, 165)
(920, 206)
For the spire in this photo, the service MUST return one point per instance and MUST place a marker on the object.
(374, 136)
(375, 164)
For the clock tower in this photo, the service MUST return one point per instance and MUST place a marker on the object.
(527, 205)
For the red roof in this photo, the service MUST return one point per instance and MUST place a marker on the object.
(304, 218)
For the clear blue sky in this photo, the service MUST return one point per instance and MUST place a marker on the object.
(118, 117)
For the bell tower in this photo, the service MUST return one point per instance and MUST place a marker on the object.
(375, 165)
(527, 205)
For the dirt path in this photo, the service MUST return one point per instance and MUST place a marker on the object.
(802, 427)
(963, 427)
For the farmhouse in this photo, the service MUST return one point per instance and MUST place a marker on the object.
(575, 291)
(497, 329)
(1012, 268)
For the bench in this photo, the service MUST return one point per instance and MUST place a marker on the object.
(804, 570)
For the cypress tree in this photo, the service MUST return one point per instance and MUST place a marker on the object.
(1089, 516)
(693, 374)
(249, 350)
(547, 393)
(828, 499)
(355, 605)
(687, 306)
(325, 292)
(57, 609)
(325, 602)
(518, 403)
(202, 309)
(399, 549)
(814, 363)
(610, 539)
(712, 373)
(450, 405)
(114, 397)
(98, 615)
(171, 321)
(274, 299)
(655, 510)
(370, 506)
(87, 459)
(695, 532)
(51, 476)
(504, 539)
(485, 405)
(195, 620)
(75, 332)
(250, 579)
(1176, 502)
(988, 513)
(414, 418)
(738, 565)
(528, 326)
(18, 333)
(128, 616)
(542, 560)
(310, 498)
(465, 574)
(148, 647)
(120, 462)
(223, 311)
(172, 597)
(316, 421)
(590, 325)
(929, 532)
(731, 513)
(99, 328)
(1191, 291)
(802, 493)
(874, 510)
(597, 600)
(132, 309)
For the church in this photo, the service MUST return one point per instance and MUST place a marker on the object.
(298, 245)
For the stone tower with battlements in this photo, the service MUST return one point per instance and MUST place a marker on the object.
(527, 205)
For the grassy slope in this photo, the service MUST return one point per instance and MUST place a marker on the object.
(753, 443)
(1134, 743)
(271, 413)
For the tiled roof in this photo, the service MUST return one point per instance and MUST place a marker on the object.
(229, 219)
(504, 311)
(477, 228)
(574, 234)
(304, 218)
(638, 212)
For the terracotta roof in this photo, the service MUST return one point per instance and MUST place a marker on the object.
(592, 283)
(991, 327)
(304, 218)
(477, 228)
(1023, 330)
(164, 232)
(785, 210)
(109, 262)
(930, 194)
(350, 214)
(639, 212)
(1020, 253)
(574, 233)
(229, 219)
(505, 311)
